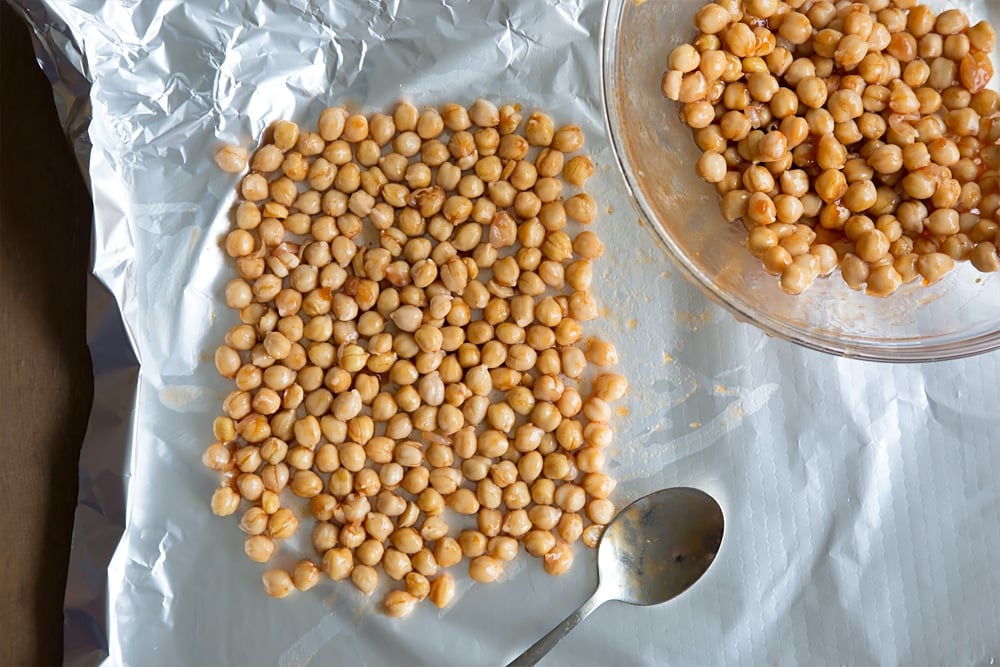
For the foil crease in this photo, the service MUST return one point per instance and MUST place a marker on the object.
(861, 500)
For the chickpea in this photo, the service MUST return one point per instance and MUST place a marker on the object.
(600, 511)
(761, 208)
(398, 604)
(883, 280)
(982, 36)
(773, 147)
(860, 196)
(259, 548)
(442, 590)
(933, 266)
(485, 569)
(352, 536)
(588, 245)
(712, 167)
(799, 273)
(812, 92)
(338, 563)
(277, 583)
(712, 19)
(225, 501)
(305, 576)
(578, 170)
(559, 559)
(943, 222)
(984, 257)
(365, 578)
(684, 58)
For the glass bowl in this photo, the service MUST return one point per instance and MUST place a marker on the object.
(956, 317)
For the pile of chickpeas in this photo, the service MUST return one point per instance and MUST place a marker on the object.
(410, 357)
(850, 134)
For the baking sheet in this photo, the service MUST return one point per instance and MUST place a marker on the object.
(861, 500)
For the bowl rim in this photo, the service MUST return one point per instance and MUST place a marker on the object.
(901, 351)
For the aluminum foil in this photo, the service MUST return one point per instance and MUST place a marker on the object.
(861, 500)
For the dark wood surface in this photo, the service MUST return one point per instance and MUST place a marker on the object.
(46, 384)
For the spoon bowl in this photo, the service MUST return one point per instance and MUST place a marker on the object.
(658, 546)
(651, 552)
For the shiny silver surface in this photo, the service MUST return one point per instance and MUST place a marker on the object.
(863, 498)
(653, 550)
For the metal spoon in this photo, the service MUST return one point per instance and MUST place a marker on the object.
(651, 552)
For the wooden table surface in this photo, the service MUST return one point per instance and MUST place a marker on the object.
(46, 384)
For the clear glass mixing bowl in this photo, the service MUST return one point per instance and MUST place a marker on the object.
(956, 317)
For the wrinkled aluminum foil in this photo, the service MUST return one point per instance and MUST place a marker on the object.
(861, 500)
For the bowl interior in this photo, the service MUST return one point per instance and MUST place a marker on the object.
(956, 317)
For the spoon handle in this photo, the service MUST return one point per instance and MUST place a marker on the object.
(538, 650)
